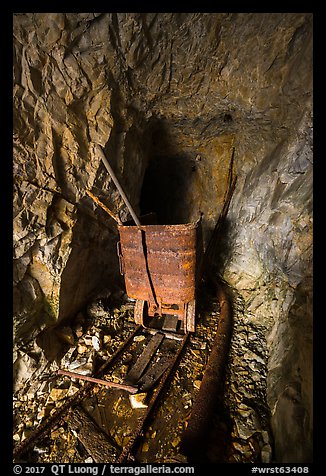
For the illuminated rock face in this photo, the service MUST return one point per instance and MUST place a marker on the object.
(170, 95)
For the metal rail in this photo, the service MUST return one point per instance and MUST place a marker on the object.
(211, 388)
(106, 383)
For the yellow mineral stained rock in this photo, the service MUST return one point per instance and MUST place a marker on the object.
(81, 349)
(145, 447)
(57, 394)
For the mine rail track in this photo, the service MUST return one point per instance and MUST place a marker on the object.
(63, 413)
(136, 380)
(72, 412)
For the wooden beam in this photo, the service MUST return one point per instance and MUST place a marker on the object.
(97, 443)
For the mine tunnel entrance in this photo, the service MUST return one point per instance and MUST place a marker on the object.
(169, 178)
(165, 189)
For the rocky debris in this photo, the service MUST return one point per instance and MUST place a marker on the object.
(246, 388)
(66, 334)
(86, 344)
(110, 319)
(97, 309)
(138, 400)
(245, 392)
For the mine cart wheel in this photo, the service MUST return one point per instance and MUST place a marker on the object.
(190, 313)
(139, 312)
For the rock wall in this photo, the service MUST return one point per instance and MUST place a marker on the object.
(268, 256)
(170, 92)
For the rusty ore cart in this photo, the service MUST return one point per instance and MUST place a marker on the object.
(159, 266)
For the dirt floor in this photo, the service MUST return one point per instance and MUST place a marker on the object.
(239, 430)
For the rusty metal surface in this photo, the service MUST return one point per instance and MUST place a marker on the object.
(139, 312)
(106, 383)
(211, 389)
(171, 260)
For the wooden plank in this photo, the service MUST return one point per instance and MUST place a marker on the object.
(95, 441)
(168, 335)
(152, 375)
(137, 370)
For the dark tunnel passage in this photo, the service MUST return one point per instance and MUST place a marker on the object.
(165, 189)
(170, 175)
